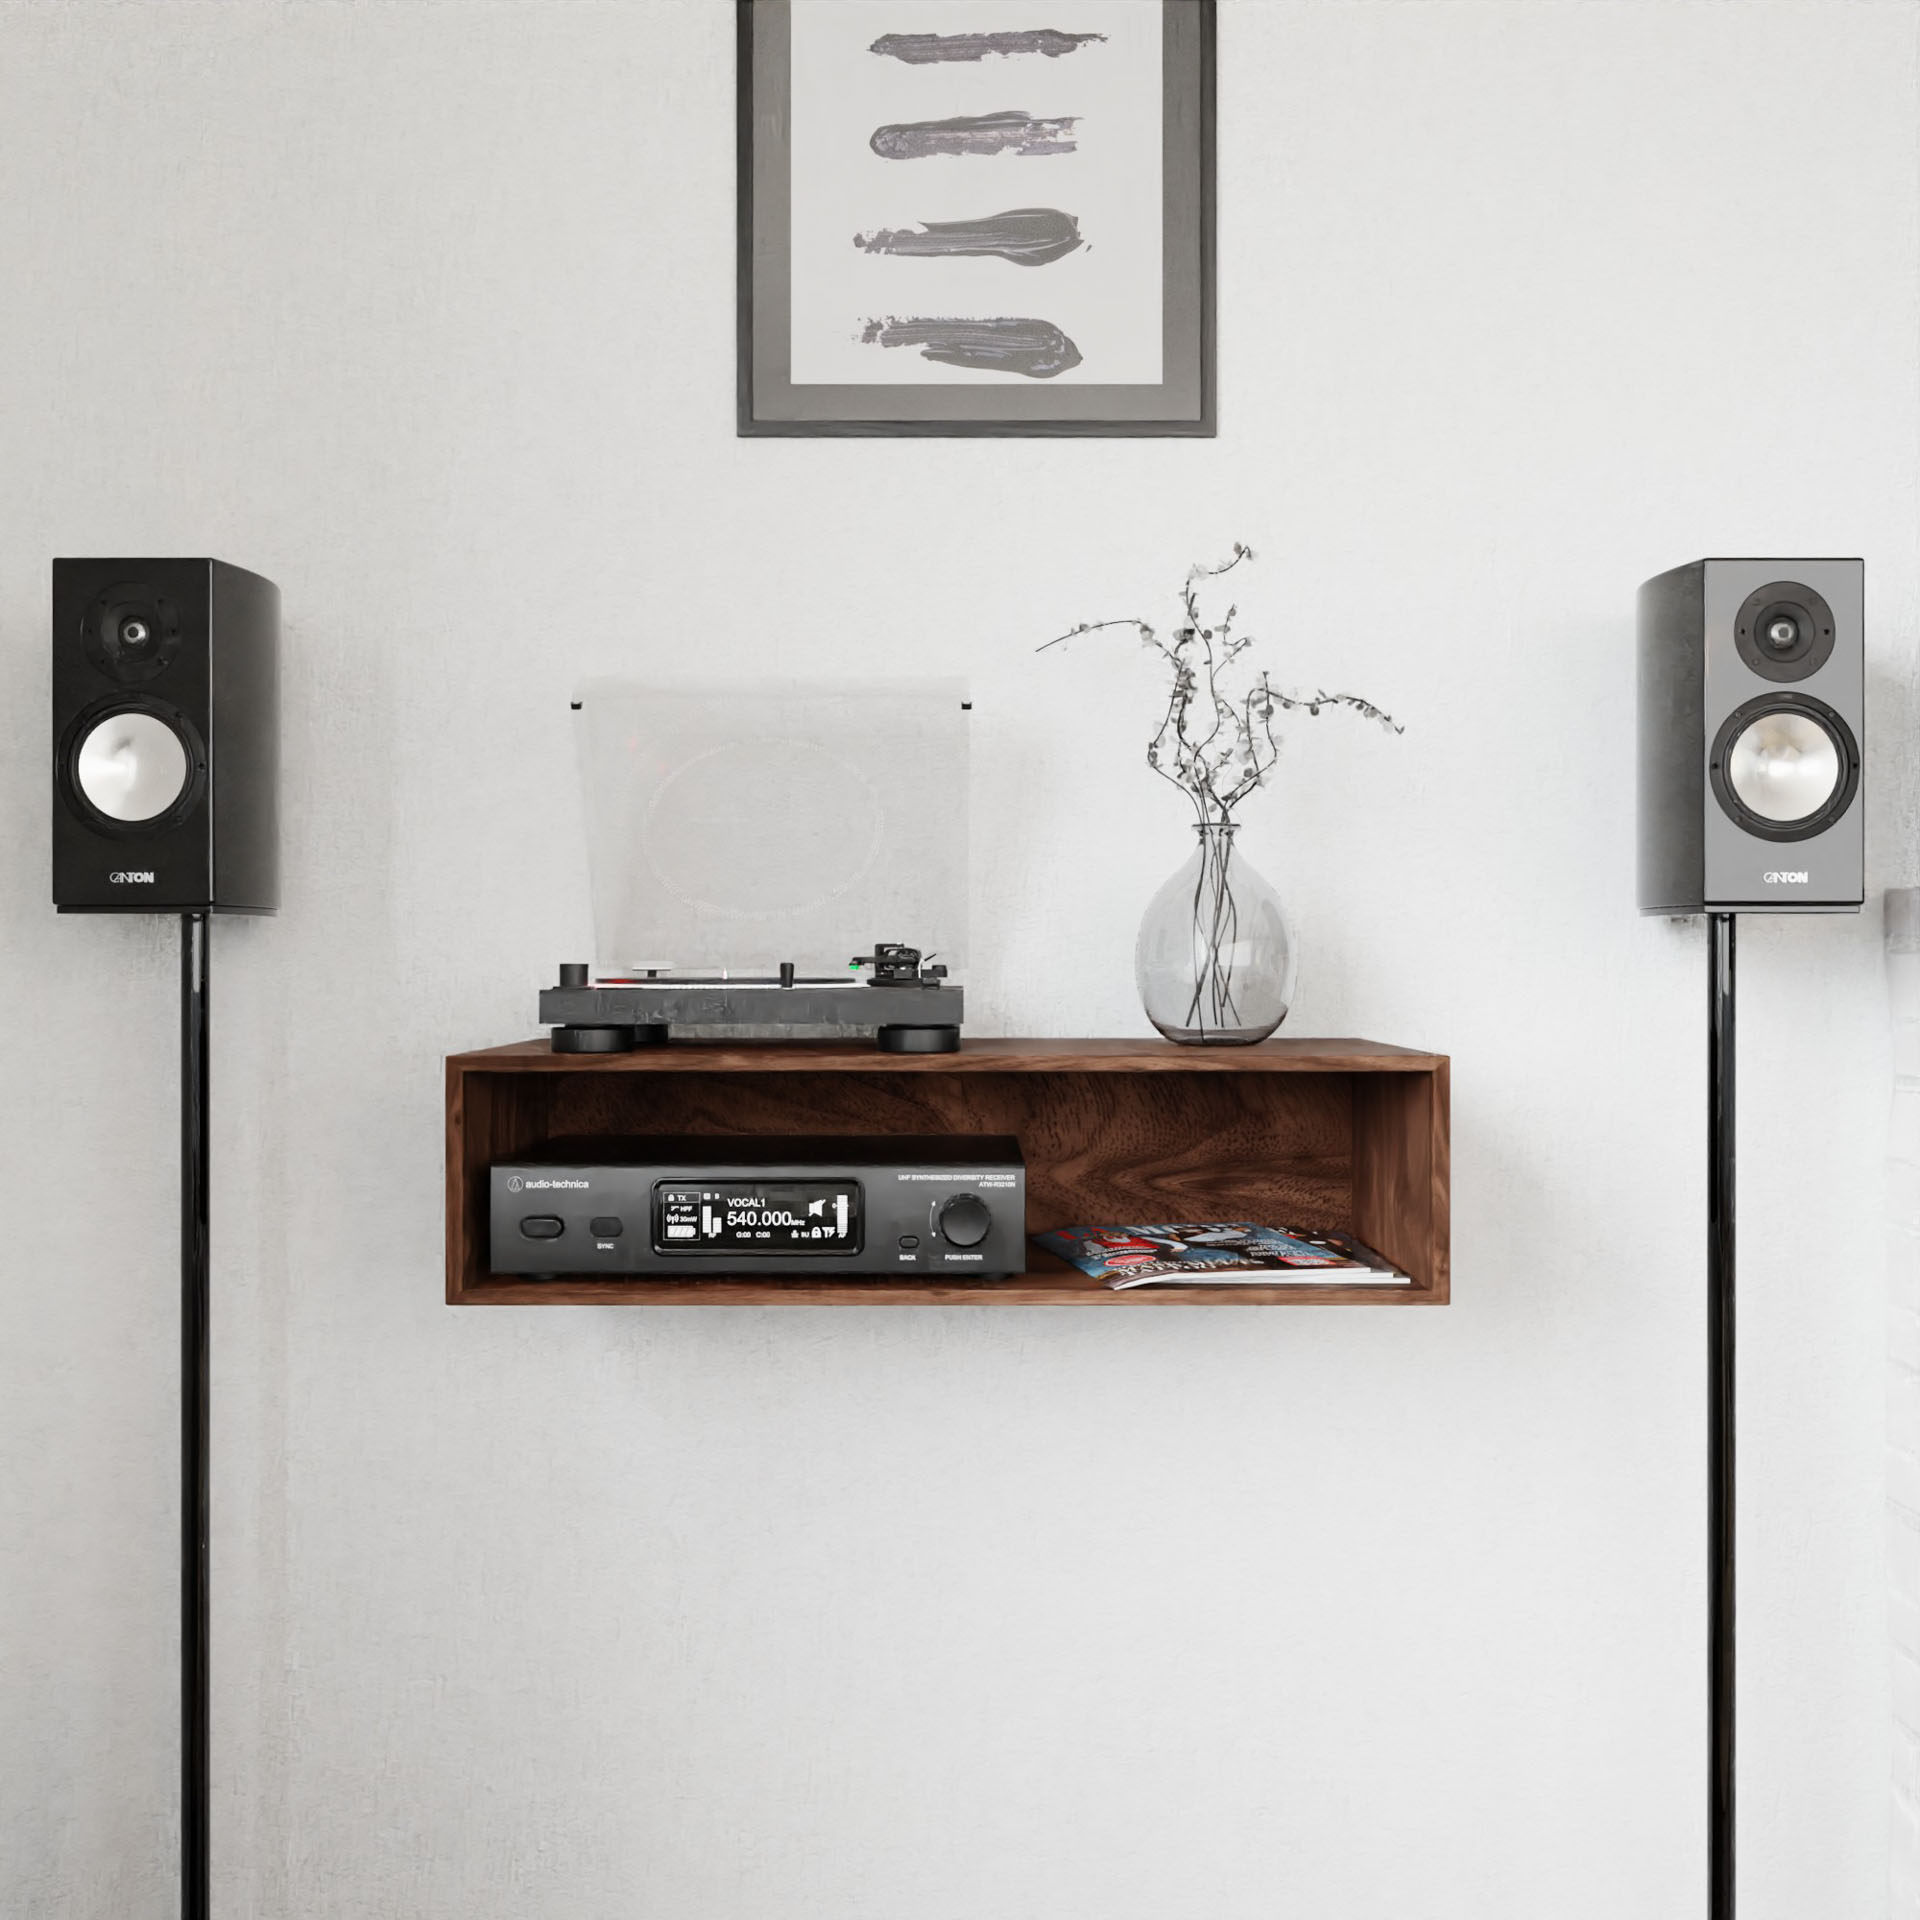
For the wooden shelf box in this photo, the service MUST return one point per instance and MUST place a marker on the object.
(1348, 1135)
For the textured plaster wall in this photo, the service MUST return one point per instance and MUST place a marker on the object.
(426, 311)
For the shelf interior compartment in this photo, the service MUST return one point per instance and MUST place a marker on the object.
(1355, 1152)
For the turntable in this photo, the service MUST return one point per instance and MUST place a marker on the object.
(907, 1004)
(734, 824)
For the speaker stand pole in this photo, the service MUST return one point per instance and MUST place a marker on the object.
(195, 1426)
(1720, 1411)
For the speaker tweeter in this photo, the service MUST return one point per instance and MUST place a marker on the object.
(131, 633)
(1784, 631)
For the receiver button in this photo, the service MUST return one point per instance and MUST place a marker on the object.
(543, 1226)
(965, 1220)
(606, 1226)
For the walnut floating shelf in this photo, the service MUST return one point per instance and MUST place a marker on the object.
(1342, 1134)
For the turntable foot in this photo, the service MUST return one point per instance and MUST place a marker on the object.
(919, 1039)
(606, 1039)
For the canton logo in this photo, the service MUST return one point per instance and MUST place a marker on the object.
(131, 879)
(1784, 879)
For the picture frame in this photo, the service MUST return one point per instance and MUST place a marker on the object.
(991, 306)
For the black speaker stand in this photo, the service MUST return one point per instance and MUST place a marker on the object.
(1720, 1409)
(195, 1426)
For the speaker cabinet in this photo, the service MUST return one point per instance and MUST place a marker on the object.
(1752, 732)
(165, 737)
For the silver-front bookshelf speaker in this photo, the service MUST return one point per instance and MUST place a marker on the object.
(165, 737)
(1752, 737)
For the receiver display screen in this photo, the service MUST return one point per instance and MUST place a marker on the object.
(756, 1216)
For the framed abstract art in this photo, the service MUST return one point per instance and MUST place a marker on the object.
(976, 217)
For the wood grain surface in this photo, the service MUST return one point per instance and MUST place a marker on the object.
(1401, 1172)
(974, 1056)
(1346, 1135)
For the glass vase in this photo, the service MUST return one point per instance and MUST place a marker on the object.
(1215, 958)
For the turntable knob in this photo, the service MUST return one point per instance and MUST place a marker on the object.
(965, 1220)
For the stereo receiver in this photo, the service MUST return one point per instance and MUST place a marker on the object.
(690, 1204)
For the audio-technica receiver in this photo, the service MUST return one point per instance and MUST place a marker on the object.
(762, 1204)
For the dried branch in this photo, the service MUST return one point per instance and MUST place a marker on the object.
(1212, 743)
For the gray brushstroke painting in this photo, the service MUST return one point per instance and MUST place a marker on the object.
(984, 133)
(1028, 236)
(923, 49)
(1036, 348)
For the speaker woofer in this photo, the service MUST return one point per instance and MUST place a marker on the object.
(1785, 766)
(131, 767)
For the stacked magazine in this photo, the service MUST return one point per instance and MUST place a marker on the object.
(1221, 1253)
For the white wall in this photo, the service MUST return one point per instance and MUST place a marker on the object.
(1903, 1390)
(426, 311)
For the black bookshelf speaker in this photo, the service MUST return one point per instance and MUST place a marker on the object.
(165, 737)
(1752, 737)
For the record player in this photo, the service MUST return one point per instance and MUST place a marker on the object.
(749, 830)
(908, 1005)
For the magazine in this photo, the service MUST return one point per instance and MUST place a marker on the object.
(1220, 1253)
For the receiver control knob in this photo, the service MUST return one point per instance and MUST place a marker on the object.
(965, 1220)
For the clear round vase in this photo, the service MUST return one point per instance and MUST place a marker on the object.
(1215, 958)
